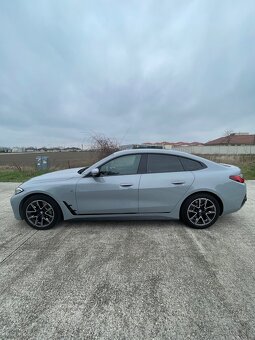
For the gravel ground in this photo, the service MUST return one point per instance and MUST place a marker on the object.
(128, 280)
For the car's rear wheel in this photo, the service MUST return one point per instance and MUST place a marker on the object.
(200, 210)
(41, 212)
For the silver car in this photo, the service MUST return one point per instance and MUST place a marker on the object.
(134, 184)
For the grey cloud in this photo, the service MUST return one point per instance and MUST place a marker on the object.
(138, 71)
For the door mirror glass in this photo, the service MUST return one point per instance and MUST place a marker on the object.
(95, 172)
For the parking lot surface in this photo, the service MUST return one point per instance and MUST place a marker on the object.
(128, 279)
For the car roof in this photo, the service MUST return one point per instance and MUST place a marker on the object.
(166, 152)
(152, 150)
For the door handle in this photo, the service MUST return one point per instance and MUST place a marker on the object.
(126, 185)
(178, 182)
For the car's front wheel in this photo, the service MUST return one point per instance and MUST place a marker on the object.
(41, 212)
(200, 210)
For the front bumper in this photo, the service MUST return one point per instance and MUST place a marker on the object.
(15, 204)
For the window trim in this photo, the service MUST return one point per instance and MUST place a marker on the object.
(143, 164)
(203, 165)
(142, 168)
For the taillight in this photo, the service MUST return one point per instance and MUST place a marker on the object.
(237, 178)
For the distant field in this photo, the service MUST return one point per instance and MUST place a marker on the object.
(62, 160)
(57, 160)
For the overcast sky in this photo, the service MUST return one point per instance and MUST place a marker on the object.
(134, 70)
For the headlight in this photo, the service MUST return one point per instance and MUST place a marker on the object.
(18, 190)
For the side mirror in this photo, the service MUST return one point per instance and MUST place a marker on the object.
(95, 172)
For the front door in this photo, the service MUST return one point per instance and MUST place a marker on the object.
(114, 191)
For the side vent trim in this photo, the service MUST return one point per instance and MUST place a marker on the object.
(69, 207)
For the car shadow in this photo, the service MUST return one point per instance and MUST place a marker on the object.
(111, 223)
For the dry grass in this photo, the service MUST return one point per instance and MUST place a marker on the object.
(21, 174)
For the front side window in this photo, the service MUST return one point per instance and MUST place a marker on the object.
(163, 163)
(124, 165)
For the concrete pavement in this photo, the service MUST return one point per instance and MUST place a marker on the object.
(128, 280)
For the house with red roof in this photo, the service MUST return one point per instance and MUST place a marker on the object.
(234, 139)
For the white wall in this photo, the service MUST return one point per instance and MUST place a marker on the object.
(219, 149)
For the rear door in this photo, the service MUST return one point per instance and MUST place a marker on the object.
(164, 184)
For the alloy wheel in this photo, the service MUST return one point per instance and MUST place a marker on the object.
(40, 213)
(201, 212)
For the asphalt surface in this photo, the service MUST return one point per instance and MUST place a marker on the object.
(128, 280)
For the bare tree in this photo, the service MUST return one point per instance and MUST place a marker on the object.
(228, 133)
(103, 145)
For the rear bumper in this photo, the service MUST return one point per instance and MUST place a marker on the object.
(233, 196)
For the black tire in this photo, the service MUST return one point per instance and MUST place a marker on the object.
(200, 215)
(41, 212)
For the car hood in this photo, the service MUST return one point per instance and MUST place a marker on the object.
(57, 175)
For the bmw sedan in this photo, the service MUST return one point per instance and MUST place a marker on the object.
(134, 184)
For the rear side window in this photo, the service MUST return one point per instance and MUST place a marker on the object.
(163, 163)
(191, 164)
